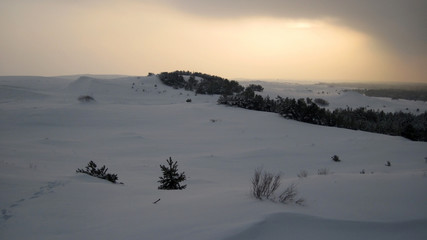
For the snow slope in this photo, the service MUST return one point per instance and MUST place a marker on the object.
(339, 96)
(137, 123)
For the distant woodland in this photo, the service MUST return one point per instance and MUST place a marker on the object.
(417, 95)
(307, 110)
(201, 83)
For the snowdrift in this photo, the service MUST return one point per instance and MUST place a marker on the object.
(295, 226)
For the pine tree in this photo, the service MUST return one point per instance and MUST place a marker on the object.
(92, 170)
(335, 158)
(171, 178)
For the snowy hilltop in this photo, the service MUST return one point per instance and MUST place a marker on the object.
(52, 126)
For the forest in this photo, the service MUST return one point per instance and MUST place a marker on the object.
(412, 94)
(407, 125)
(410, 126)
(200, 83)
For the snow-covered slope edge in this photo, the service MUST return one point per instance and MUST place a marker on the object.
(296, 226)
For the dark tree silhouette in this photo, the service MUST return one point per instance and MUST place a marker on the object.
(92, 170)
(413, 127)
(171, 179)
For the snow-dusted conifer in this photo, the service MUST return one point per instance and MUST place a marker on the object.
(171, 179)
(92, 170)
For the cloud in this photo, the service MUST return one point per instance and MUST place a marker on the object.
(398, 24)
(350, 40)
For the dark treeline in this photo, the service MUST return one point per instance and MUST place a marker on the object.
(408, 125)
(201, 83)
(420, 94)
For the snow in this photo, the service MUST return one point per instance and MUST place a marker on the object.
(339, 96)
(295, 226)
(137, 123)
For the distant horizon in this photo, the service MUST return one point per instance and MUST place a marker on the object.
(265, 79)
(240, 79)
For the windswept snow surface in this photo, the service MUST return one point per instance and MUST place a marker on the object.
(137, 123)
(294, 226)
(339, 97)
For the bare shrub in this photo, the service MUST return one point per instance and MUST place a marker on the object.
(302, 174)
(264, 184)
(256, 182)
(300, 201)
(323, 171)
(290, 196)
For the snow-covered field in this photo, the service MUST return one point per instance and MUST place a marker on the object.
(339, 97)
(137, 123)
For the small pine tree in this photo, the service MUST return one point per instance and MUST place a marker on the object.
(171, 178)
(92, 170)
(335, 158)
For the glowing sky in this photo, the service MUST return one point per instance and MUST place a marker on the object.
(317, 40)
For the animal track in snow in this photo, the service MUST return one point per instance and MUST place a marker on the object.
(6, 213)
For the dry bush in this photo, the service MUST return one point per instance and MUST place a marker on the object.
(302, 174)
(289, 196)
(264, 184)
(323, 171)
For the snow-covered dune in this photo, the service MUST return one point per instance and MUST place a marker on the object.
(136, 123)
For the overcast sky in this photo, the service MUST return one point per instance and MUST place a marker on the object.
(401, 23)
(316, 40)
